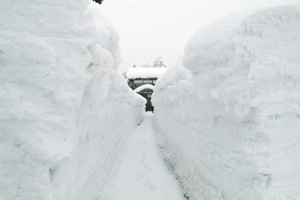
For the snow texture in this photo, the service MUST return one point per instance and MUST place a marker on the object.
(133, 73)
(229, 113)
(140, 172)
(65, 112)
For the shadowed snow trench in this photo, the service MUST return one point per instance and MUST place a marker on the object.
(139, 172)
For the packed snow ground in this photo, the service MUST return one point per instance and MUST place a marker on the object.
(140, 172)
(229, 113)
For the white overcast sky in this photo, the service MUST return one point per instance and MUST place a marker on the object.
(152, 28)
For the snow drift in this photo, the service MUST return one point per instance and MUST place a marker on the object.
(64, 109)
(229, 113)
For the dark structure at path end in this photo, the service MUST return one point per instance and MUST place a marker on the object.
(137, 77)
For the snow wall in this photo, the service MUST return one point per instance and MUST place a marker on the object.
(64, 109)
(229, 113)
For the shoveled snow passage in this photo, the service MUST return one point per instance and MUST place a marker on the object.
(139, 172)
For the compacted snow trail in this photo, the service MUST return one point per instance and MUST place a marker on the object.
(139, 172)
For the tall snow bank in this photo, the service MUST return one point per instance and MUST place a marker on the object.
(64, 109)
(230, 113)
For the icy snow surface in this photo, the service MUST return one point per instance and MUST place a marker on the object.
(139, 72)
(65, 112)
(230, 113)
(140, 172)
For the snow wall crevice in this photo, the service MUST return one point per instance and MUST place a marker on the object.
(229, 111)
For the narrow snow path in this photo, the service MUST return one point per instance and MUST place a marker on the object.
(139, 173)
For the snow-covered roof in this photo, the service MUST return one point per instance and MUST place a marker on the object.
(133, 73)
(142, 87)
